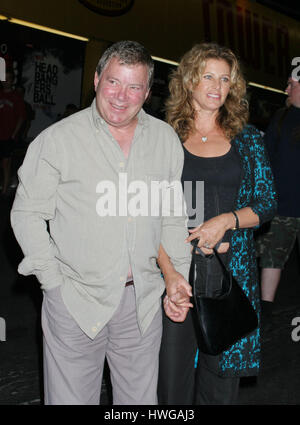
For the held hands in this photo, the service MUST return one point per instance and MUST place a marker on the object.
(177, 301)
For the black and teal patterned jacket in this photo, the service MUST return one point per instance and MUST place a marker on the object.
(256, 191)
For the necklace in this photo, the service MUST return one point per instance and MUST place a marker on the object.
(204, 139)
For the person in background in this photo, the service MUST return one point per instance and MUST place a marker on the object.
(12, 116)
(207, 109)
(30, 116)
(97, 268)
(69, 110)
(282, 140)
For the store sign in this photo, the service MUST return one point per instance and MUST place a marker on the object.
(45, 78)
(108, 7)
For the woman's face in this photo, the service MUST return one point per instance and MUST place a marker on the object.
(211, 92)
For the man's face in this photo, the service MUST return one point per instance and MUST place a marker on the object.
(121, 92)
(293, 92)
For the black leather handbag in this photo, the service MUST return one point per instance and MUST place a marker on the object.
(222, 313)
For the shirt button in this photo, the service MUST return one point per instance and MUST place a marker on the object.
(129, 219)
(98, 324)
(121, 164)
(94, 329)
(122, 278)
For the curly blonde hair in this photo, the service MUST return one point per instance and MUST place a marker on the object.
(180, 112)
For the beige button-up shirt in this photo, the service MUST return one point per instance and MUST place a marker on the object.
(63, 180)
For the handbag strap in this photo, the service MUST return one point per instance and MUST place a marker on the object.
(225, 270)
(192, 268)
(194, 243)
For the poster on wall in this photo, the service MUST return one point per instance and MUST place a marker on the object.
(48, 70)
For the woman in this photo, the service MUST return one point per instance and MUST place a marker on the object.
(207, 109)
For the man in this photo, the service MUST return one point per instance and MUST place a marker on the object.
(12, 116)
(98, 271)
(282, 139)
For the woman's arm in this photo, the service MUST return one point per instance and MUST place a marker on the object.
(264, 199)
(212, 231)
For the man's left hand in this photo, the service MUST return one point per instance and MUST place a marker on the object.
(177, 301)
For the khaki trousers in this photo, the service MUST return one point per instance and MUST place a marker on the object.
(73, 363)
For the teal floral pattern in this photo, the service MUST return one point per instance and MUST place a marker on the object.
(258, 192)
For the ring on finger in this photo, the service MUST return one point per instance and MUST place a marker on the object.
(206, 245)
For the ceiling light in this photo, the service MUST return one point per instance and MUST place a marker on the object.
(43, 28)
(261, 86)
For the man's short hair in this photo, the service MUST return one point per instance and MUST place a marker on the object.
(128, 53)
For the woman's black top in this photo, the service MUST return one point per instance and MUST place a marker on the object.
(221, 176)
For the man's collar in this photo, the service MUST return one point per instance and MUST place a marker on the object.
(143, 119)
